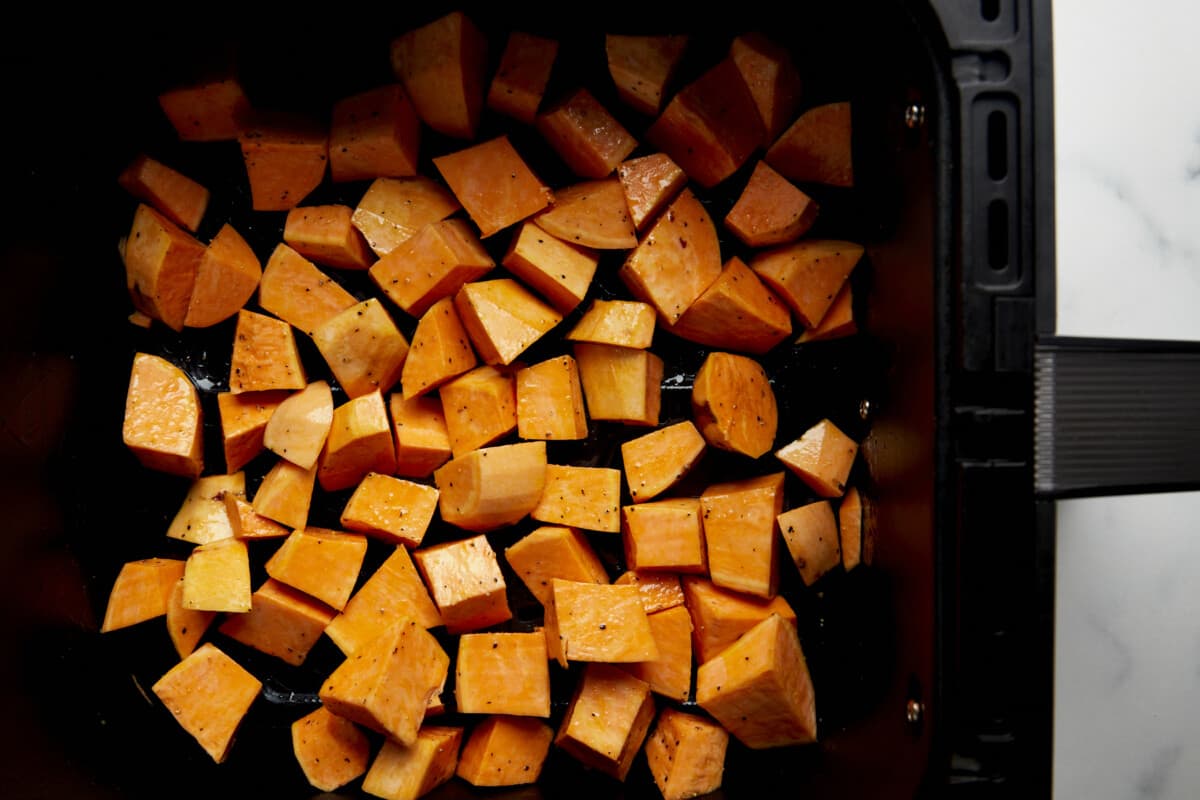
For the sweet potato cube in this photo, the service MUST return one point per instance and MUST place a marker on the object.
(554, 551)
(161, 264)
(659, 590)
(505, 751)
(686, 754)
(597, 622)
(821, 457)
(360, 442)
(607, 720)
(440, 351)
(588, 138)
(620, 384)
(391, 509)
(393, 209)
(492, 487)
(581, 497)
(770, 210)
(656, 461)
(465, 582)
(141, 591)
(443, 65)
(393, 590)
(181, 199)
(669, 675)
(325, 235)
(422, 439)
(550, 400)
(201, 517)
(285, 155)
(386, 685)
(285, 494)
(838, 320)
(320, 562)
(243, 421)
(558, 270)
(721, 616)
(650, 183)
(734, 405)
(591, 214)
(435, 262)
(293, 289)
(772, 78)
(807, 275)
(374, 134)
(216, 577)
(185, 626)
(811, 535)
(331, 751)
(759, 688)
(300, 425)
(643, 66)
(737, 312)
(503, 318)
(363, 347)
(226, 279)
(677, 259)
(711, 126)
(406, 773)
(281, 622)
(494, 184)
(480, 408)
(522, 75)
(817, 147)
(664, 535)
(502, 673)
(247, 524)
(211, 110)
(623, 323)
(208, 694)
(139, 319)
(857, 544)
(163, 425)
(741, 535)
(265, 357)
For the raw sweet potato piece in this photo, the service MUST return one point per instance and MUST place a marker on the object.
(554, 551)
(331, 751)
(770, 210)
(656, 461)
(393, 209)
(440, 351)
(465, 582)
(669, 675)
(588, 138)
(773, 80)
(140, 319)
(248, 524)
(293, 289)
(734, 404)
(360, 442)
(243, 420)
(650, 183)
(659, 590)
(326, 235)
(202, 517)
(817, 147)
(737, 312)
(720, 617)
(141, 591)
(591, 214)
(321, 563)
(559, 271)
(821, 457)
(480, 407)
(494, 184)
(624, 323)
(607, 720)
(216, 577)
(550, 401)
(443, 66)
(265, 356)
(393, 590)
(300, 425)
(363, 348)
(597, 622)
(185, 626)
(759, 688)
(163, 425)
(676, 260)
(807, 275)
(226, 279)
(502, 673)
(620, 384)
(838, 320)
(207, 111)
(181, 199)
(664, 535)
(741, 535)
(503, 318)
(391, 509)
(406, 773)
(286, 156)
(285, 494)
(857, 544)
(811, 534)
(686, 754)
(522, 75)
(643, 66)
(374, 134)
(208, 693)
(435, 262)
(422, 439)
(505, 751)
(582, 497)
(281, 622)
(161, 263)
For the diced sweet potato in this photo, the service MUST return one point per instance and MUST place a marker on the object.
(326, 235)
(265, 356)
(185, 626)
(248, 524)
(770, 210)
(591, 214)
(180, 198)
(597, 622)
(226, 279)
(686, 754)
(300, 425)
(737, 312)
(821, 457)
(211, 110)
(480, 407)
(669, 675)
(208, 694)
(838, 320)
(502, 673)
(216, 577)
(650, 183)
(163, 425)
(281, 622)
(817, 147)
(422, 439)
(320, 562)
(243, 420)
(393, 209)
(656, 461)
(524, 71)
(443, 65)
(465, 582)
(285, 494)
(734, 404)
(505, 751)
(554, 551)
(441, 350)
(582, 497)
(659, 590)
(503, 318)
(664, 535)
(623, 323)
(807, 275)
(607, 720)
(550, 401)
(811, 534)
(374, 134)
(588, 138)
(857, 541)
(360, 442)
(741, 535)
(559, 271)
(721, 617)
(363, 348)
(435, 262)
(141, 591)
(293, 289)
(202, 517)
(620, 384)
(773, 80)
(161, 264)
(643, 66)
(286, 156)
(331, 751)
(494, 184)
(406, 773)
(138, 318)
(393, 590)
(391, 509)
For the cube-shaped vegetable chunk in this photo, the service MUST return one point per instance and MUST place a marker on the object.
(818, 147)
(585, 134)
(550, 401)
(243, 420)
(441, 350)
(320, 562)
(186, 626)
(554, 551)
(664, 535)
(503, 318)
(435, 262)
(607, 720)
(734, 404)
(265, 356)
(592, 213)
(642, 67)
(164, 424)
(285, 494)
(721, 616)
(227, 278)
(521, 77)
(392, 509)
(217, 577)
(285, 155)
(161, 263)
(181, 199)
(838, 320)
(209, 693)
(406, 773)
(202, 517)
(856, 538)
(465, 581)
(686, 754)
(772, 78)
(505, 751)
(493, 486)
(281, 622)
(360, 442)
(650, 183)
(737, 312)
(808, 274)
(300, 425)
(295, 290)
(374, 134)
(247, 524)
(560, 271)
(480, 407)
(443, 65)
(331, 751)
(821, 457)
(669, 675)
(393, 209)
(582, 497)
(494, 184)
(422, 439)
(622, 323)
(660, 590)
(770, 210)
(597, 622)
(363, 347)
(141, 591)
(656, 461)
(741, 535)
(210, 110)
(502, 673)
(393, 590)
(326, 235)
(811, 535)
(620, 384)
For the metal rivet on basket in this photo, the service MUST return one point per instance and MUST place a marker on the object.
(913, 712)
(914, 115)
(864, 409)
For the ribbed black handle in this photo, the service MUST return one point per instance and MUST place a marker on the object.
(1116, 416)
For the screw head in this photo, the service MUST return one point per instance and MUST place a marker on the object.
(914, 711)
(864, 409)
(914, 115)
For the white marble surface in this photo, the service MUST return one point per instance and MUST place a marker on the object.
(1127, 661)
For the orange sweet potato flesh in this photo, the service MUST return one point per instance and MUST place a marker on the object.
(503, 318)
(360, 442)
(441, 350)
(773, 80)
(416, 770)
(591, 214)
(650, 183)
(656, 461)
(265, 355)
(607, 720)
(821, 457)
(505, 751)
(374, 134)
(226, 279)
(502, 673)
(326, 235)
(298, 428)
(550, 401)
(320, 562)
(392, 509)
(671, 673)
(838, 320)
(363, 347)
(660, 590)
(808, 274)
(817, 147)
(422, 440)
(331, 751)
(554, 551)
(585, 134)
(480, 407)
(393, 209)
(247, 524)
(141, 591)
(207, 111)
(811, 535)
(521, 77)
(558, 270)
(664, 535)
(686, 754)
(435, 262)
(466, 583)
(494, 184)
(734, 404)
(737, 312)
(597, 622)
(643, 66)
(582, 497)
(286, 157)
(285, 494)
(293, 289)
(163, 424)
(443, 66)
(182, 199)
(161, 263)
(393, 590)
(721, 616)
(185, 626)
(624, 323)
(620, 384)
(243, 420)
(217, 577)
(770, 210)
(281, 622)
(855, 544)
(741, 535)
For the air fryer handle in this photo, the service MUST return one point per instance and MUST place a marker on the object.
(1116, 416)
